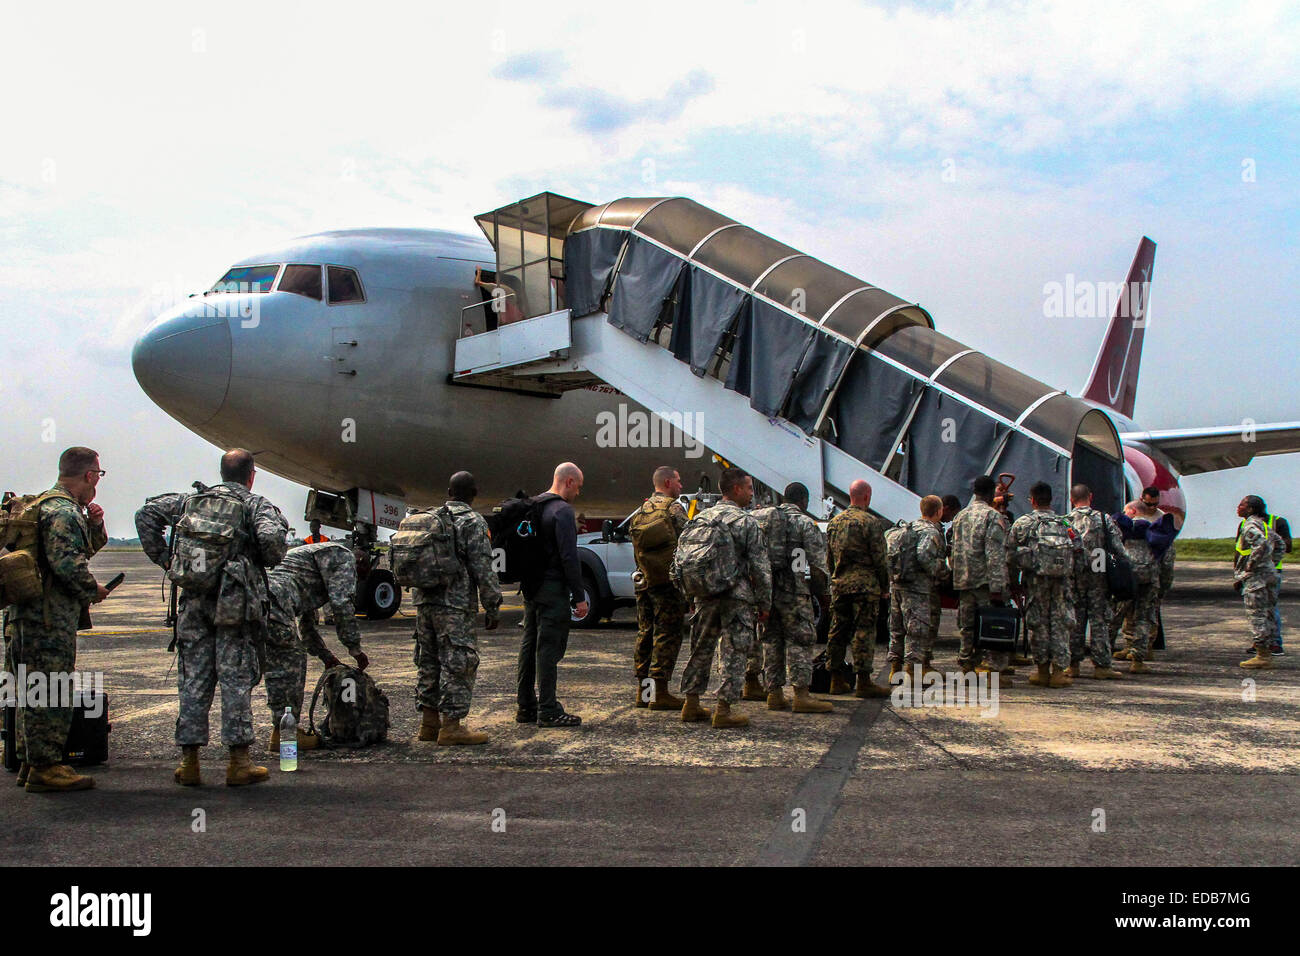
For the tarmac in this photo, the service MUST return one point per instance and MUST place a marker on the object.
(1194, 764)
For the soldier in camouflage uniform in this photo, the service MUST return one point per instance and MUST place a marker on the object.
(219, 634)
(1154, 576)
(859, 578)
(979, 570)
(1255, 577)
(915, 593)
(943, 581)
(797, 554)
(446, 650)
(1093, 609)
(727, 621)
(311, 576)
(660, 607)
(1049, 613)
(44, 633)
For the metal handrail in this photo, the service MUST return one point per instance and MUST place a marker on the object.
(478, 305)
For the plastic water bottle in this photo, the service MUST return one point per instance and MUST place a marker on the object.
(288, 741)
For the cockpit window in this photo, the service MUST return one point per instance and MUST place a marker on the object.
(247, 279)
(301, 280)
(345, 285)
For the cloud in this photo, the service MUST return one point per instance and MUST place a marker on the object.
(596, 111)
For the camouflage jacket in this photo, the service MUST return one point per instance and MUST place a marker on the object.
(755, 584)
(979, 548)
(474, 549)
(859, 562)
(1098, 534)
(312, 576)
(66, 543)
(1258, 568)
(805, 565)
(931, 557)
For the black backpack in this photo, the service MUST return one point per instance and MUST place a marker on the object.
(516, 529)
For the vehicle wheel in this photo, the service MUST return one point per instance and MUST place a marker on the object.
(381, 596)
(592, 597)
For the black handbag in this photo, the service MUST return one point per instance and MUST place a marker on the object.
(1120, 580)
(997, 628)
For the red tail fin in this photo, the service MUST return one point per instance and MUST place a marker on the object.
(1115, 373)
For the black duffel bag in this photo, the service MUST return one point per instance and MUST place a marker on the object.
(821, 675)
(1120, 580)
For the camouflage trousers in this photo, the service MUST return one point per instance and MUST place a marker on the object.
(787, 640)
(724, 626)
(1145, 609)
(286, 671)
(969, 656)
(42, 727)
(8, 630)
(660, 628)
(1092, 621)
(446, 655)
(853, 621)
(1260, 601)
(917, 614)
(897, 629)
(1049, 621)
(208, 656)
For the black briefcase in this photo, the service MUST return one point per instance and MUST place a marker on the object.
(997, 628)
(87, 737)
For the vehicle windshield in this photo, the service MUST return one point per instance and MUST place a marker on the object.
(247, 279)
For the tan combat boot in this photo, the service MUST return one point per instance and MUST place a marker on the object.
(187, 774)
(1106, 673)
(273, 745)
(430, 724)
(776, 700)
(895, 667)
(692, 712)
(1124, 654)
(723, 717)
(640, 694)
(56, 778)
(664, 700)
(1060, 677)
(839, 685)
(1263, 660)
(308, 741)
(241, 770)
(1138, 667)
(1042, 677)
(23, 770)
(806, 703)
(453, 733)
(753, 689)
(867, 688)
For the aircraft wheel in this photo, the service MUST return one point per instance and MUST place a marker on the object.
(381, 596)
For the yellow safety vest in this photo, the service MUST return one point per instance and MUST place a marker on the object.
(1268, 524)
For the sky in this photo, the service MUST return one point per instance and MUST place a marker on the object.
(964, 156)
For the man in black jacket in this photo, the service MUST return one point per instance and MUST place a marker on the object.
(547, 609)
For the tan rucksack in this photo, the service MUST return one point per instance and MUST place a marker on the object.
(20, 575)
(654, 541)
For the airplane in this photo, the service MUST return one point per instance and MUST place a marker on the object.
(333, 357)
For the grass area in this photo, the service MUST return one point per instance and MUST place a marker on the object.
(1215, 549)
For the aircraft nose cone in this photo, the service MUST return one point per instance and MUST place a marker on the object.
(183, 363)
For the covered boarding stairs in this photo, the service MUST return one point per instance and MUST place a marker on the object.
(773, 359)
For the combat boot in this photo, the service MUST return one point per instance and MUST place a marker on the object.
(241, 770)
(1138, 667)
(753, 689)
(692, 712)
(776, 699)
(187, 774)
(895, 667)
(430, 724)
(56, 778)
(23, 770)
(1073, 670)
(806, 703)
(723, 717)
(1042, 677)
(273, 745)
(1060, 677)
(839, 685)
(867, 688)
(664, 700)
(640, 694)
(453, 733)
(1263, 660)
(308, 741)
(1123, 655)
(1106, 673)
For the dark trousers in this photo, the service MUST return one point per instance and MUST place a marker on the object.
(546, 637)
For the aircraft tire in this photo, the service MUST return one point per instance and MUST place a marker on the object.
(380, 595)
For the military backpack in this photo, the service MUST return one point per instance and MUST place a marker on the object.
(356, 709)
(654, 540)
(212, 529)
(705, 563)
(423, 550)
(900, 549)
(1052, 549)
(20, 575)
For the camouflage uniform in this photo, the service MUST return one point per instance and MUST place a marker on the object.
(1092, 604)
(859, 577)
(218, 634)
(789, 634)
(1049, 614)
(660, 612)
(897, 628)
(446, 652)
(915, 596)
(979, 569)
(1140, 617)
(45, 632)
(310, 576)
(1257, 573)
(727, 621)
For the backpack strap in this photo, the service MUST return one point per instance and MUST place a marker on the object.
(311, 711)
